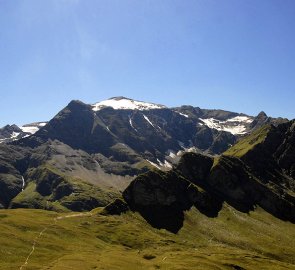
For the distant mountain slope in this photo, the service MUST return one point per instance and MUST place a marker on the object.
(11, 133)
(56, 177)
(122, 129)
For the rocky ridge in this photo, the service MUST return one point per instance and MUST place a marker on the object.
(257, 171)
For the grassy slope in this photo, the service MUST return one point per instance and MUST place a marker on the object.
(248, 143)
(94, 241)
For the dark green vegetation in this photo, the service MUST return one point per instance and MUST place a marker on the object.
(233, 240)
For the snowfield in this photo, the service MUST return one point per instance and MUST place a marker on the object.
(32, 128)
(126, 104)
(236, 125)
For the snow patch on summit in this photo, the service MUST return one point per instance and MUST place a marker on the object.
(121, 103)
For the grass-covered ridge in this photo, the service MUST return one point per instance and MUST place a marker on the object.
(233, 240)
(248, 143)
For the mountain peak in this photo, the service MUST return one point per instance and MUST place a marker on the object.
(262, 114)
(123, 103)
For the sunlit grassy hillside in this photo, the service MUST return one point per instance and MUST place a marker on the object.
(233, 240)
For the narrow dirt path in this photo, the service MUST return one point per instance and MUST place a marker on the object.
(33, 248)
(44, 230)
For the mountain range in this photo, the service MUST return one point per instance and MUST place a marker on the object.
(97, 149)
(221, 184)
(134, 114)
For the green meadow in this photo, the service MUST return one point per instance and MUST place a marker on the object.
(38, 239)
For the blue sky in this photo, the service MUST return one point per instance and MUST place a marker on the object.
(237, 55)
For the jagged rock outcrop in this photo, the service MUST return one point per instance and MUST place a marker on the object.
(263, 119)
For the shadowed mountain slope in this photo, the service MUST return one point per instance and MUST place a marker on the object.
(257, 171)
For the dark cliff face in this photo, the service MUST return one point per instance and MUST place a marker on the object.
(161, 198)
(257, 171)
(285, 154)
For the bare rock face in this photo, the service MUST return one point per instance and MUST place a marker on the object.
(195, 167)
(285, 153)
(158, 188)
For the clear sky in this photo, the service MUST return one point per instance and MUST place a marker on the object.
(237, 55)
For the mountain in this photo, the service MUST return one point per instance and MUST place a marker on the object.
(155, 188)
(87, 154)
(11, 133)
(122, 129)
